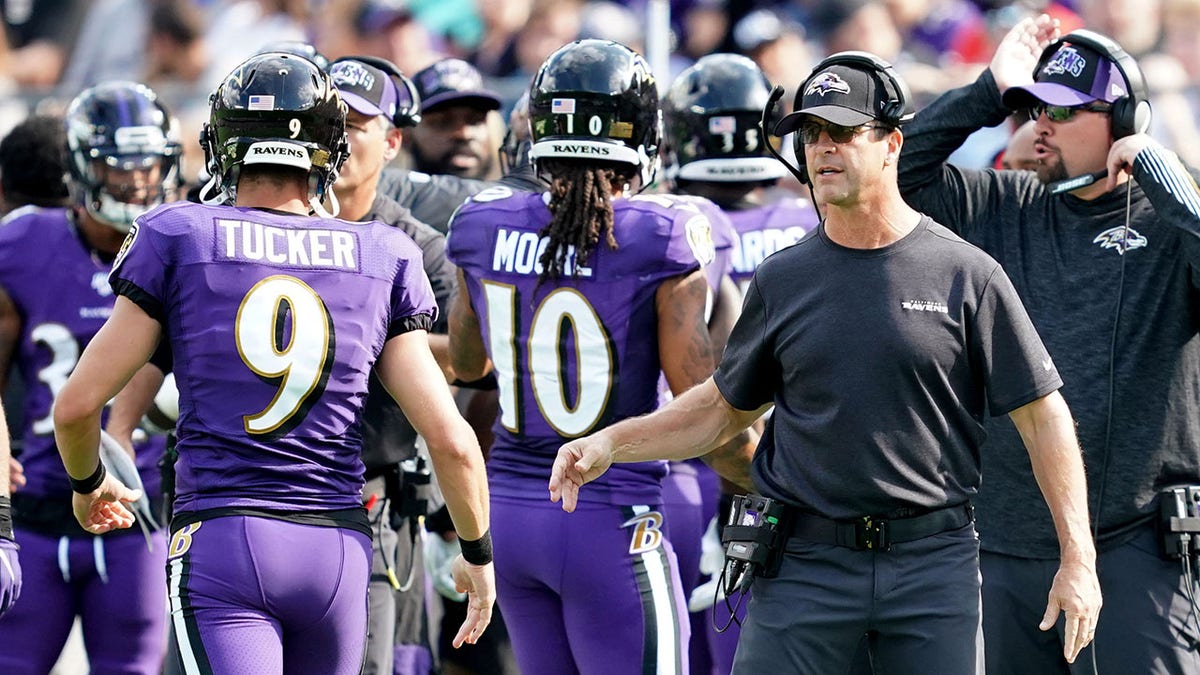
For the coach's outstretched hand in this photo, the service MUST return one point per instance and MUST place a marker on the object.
(479, 583)
(583, 460)
(1017, 54)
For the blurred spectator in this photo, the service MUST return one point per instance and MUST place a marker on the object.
(1174, 78)
(777, 46)
(388, 29)
(40, 35)
(454, 136)
(942, 32)
(1136, 25)
(97, 56)
(552, 24)
(495, 55)
(175, 45)
(605, 20)
(32, 167)
(705, 25)
(238, 29)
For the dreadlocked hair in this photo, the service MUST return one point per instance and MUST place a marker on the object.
(582, 212)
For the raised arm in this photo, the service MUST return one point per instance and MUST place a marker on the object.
(1048, 431)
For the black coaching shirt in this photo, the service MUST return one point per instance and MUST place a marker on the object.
(881, 364)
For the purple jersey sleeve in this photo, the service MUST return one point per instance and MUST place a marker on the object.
(579, 353)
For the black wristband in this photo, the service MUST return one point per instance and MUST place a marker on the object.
(6, 531)
(88, 485)
(479, 551)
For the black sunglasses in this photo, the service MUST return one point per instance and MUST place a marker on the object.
(1062, 113)
(810, 131)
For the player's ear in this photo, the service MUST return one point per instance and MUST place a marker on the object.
(394, 140)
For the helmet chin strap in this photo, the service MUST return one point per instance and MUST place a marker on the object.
(212, 194)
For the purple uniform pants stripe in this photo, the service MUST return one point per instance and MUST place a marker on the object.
(591, 592)
(254, 595)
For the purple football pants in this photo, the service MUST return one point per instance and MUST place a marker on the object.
(112, 583)
(258, 596)
(591, 592)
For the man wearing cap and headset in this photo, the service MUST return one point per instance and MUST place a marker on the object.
(380, 102)
(1103, 245)
(882, 340)
(451, 148)
(454, 136)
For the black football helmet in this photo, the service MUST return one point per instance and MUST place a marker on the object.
(597, 100)
(121, 127)
(279, 109)
(711, 112)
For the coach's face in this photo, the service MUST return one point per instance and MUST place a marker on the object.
(453, 139)
(1076, 146)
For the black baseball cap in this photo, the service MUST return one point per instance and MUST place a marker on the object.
(365, 88)
(840, 94)
(453, 81)
(1073, 75)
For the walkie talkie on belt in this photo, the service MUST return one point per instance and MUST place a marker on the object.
(754, 539)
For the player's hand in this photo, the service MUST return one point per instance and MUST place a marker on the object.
(1076, 593)
(1017, 54)
(581, 461)
(439, 553)
(103, 509)
(10, 575)
(479, 583)
(16, 475)
(1123, 152)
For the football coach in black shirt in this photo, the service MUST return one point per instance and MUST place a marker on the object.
(882, 340)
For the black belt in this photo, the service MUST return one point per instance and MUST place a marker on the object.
(870, 533)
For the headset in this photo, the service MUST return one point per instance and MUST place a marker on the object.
(896, 111)
(408, 113)
(1131, 113)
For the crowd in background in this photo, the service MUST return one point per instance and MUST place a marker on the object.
(182, 48)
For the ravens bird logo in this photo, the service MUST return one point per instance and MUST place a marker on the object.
(825, 83)
(1121, 238)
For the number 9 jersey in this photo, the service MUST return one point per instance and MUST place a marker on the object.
(574, 355)
(274, 321)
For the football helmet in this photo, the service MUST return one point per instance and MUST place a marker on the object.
(118, 136)
(597, 100)
(279, 109)
(711, 116)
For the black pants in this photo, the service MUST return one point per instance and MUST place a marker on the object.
(920, 601)
(1146, 624)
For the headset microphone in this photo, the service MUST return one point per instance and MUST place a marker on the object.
(1067, 185)
(772, 101)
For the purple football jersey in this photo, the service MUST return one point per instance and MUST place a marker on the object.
(274, 322)
(764, 230)
(581, 353)
(60, 288)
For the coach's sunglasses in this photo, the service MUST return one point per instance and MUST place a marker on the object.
(810, 131)
(1062, 113)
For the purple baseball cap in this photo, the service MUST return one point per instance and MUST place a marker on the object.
(1073, 75)
(365, 88)
(453, 81)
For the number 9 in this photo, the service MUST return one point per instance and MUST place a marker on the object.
(294, 126)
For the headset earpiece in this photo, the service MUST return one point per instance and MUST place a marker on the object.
(1131, 114)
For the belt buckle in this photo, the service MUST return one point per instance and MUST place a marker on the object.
(872, 534)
